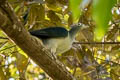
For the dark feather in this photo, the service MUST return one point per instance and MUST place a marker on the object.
(51, 32)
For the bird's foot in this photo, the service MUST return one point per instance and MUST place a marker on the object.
(54, 56)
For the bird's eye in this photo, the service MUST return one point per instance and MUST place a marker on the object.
(79, 24)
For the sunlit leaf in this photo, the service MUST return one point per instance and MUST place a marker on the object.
(53, 5)
(75, 8)
(17, 8)
(102, 15)
(118, 38)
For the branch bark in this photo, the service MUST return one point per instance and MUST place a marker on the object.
(14, 29)
(95, 43)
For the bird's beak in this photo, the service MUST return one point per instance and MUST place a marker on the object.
(84, 26)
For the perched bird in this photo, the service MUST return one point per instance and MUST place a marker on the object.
(57, 39)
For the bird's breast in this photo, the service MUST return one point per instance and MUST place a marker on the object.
(60, 45)
(64, 45)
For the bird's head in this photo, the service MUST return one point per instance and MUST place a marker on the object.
(76, 28)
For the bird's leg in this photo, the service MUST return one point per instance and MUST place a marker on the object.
(53, 51)
(54, 56)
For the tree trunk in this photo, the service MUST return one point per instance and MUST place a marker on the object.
(14, 29)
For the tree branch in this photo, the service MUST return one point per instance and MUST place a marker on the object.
(10, 24)
(96, 42)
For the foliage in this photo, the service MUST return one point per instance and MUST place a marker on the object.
(102, 15)
(85, 61)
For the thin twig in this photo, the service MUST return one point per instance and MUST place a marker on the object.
(3, 37)
(3, 44)
(8, 48)
(74, 71)
(96, 42)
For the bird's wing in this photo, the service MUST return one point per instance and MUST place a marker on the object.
(51, 32)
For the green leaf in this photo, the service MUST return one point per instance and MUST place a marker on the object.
(17, 8)
(75, 8)
(102, 15)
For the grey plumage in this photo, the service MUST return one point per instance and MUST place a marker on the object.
(57, 39)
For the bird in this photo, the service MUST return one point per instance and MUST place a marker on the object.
(57, 39)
